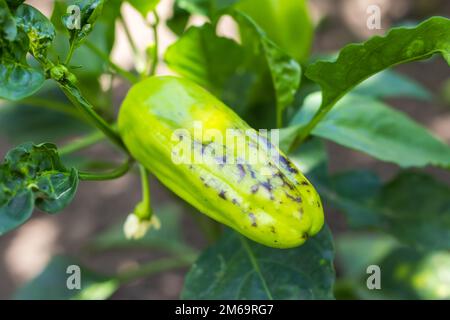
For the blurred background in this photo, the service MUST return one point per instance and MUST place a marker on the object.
(100, 206)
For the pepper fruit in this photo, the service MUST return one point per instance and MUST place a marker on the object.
(270, 201)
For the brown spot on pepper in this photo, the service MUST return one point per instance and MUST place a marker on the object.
(253, 219)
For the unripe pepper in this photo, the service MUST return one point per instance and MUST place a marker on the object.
(270, 201)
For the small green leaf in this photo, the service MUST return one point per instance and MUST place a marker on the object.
(17, 79)
(39, 29)
(52, 283)
(33, 175)
(236, 268)
(89, 12)
(370, 126)
(144, 7)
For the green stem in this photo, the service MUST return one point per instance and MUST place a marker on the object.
(75, 96)
(70, 53)
(155, 58)
(144, 209)
(156, 267)
(306, 131)
(114, 174)
(120, 71)
(279, 118)
(129, 37)
(82, 143)
(52, 105)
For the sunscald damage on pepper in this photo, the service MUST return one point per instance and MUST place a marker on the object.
(268, 201)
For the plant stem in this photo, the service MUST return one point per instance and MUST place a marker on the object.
(114, 174)
(144, 210)
(156, 267)
(305, 131)
(70, 53)
(155, 58)
(82, 143)
(129, 37)
(120, 71)
(279, 118)
(75, 96)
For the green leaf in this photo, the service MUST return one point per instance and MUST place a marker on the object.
(353, 192)
(357, 62)
(17, 79)
(168, 237)
(209, 8)
(408, 274)
(405, 273)
(388, 83)
(179, 19)
(33, 175)
(370, 126)
(52, 283)
(198, 55)
(144, 7)
(413, 207)
(236, 268)
(416, 208)
(356, 251)
(285, 71)
(286, 22)
(39, 29)
(90, 11)
(7, 23)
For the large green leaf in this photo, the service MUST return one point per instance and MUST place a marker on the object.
(51, 283)
(286, 22)
(405, 273)
(33, 175)
(370, 126)
(7, 22)
(236, 268)
(357, 62)
(388, 84)
(285, 71)
(144, 7)
(413, 207)
(198, 55)
(416, 208)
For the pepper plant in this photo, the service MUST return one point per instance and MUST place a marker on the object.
(277, 246)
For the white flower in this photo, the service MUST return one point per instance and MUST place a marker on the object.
(135, 228)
